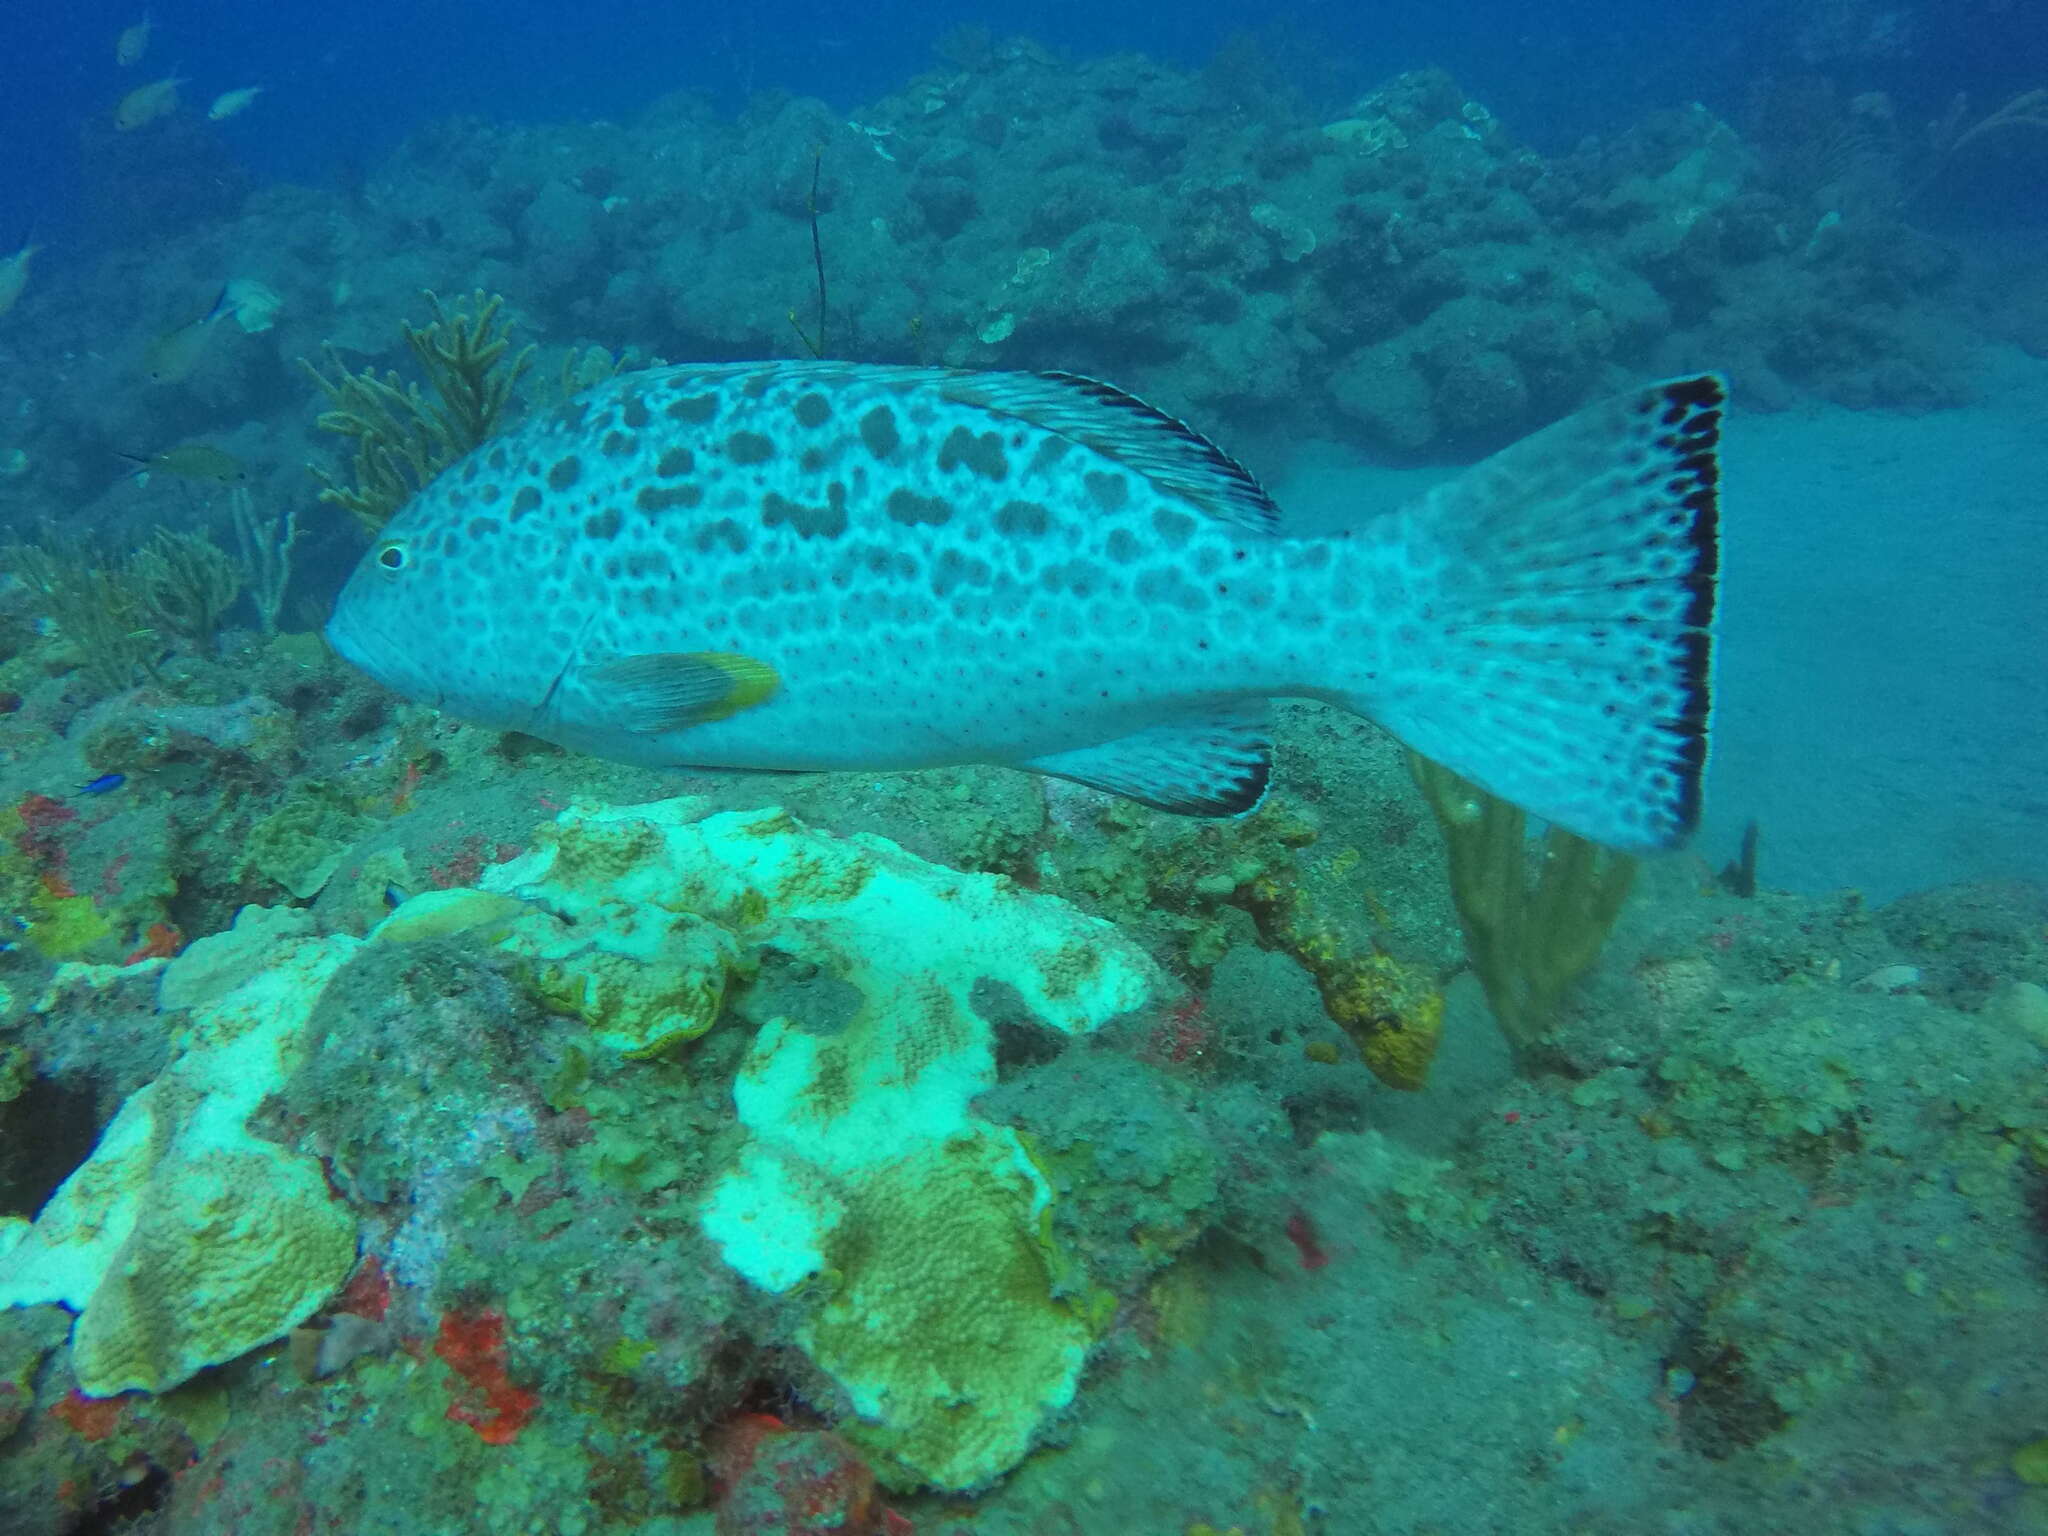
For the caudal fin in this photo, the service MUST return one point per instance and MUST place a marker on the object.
(1554, 638)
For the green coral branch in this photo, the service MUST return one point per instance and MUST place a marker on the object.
(186, 582)
(464, 355)
(1529, 938)
(116, 614)
(403, 436)
(97, 605)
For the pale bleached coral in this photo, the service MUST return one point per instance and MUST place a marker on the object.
(184, 1240)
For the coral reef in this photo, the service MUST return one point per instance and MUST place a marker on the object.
(516, 1145)
(98, 605)
(187, 583)
(940, 1309)
(1403, 273)
(550, 1082)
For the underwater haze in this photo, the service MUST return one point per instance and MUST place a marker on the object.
(999, 771)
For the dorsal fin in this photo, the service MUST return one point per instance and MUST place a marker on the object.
(1172, 455)
(1102, 418)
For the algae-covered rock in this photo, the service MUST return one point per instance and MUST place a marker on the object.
(644, 983)
(302, 843)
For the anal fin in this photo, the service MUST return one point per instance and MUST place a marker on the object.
(1204, 765)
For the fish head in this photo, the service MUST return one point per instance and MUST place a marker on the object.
(432, 613)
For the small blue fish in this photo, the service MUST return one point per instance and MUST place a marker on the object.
(106, 783)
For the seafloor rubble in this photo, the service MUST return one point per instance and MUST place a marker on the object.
(648, 1119)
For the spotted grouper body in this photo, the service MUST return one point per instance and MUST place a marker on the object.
(823, 565)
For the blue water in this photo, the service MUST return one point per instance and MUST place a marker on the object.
(413, 1127)
(351, 81)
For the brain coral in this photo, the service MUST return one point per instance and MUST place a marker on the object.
(235, 1249)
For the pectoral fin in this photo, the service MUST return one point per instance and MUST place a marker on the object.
(1212, 765)
(673, 690)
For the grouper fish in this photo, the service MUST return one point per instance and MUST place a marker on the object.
(824, 565)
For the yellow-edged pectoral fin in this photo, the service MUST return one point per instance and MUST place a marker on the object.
(672, 690)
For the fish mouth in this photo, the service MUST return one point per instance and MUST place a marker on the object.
(344, 643)
(365, 650)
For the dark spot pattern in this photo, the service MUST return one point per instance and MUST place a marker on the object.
(983, 455)
(617, 445)
(953, 570)
(906, 506)
(658, 498)
(695, 409)
(1076, 576)
(749, 448)
(1174, 528)
(565, 473)
(1168, 586)
(481, 527)
(603, 525)
(878, 431)
(1048, 455)
(807, 522)
(635, 413)
(643, 563)
(725, 531)
(676, 463)
(1023, 519)
(813, 410)
(527, 499)
(1108, 491)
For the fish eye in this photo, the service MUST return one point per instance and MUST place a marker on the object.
(392, 557)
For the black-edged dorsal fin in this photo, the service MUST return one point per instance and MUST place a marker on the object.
(1172, 455)
(1104, 419)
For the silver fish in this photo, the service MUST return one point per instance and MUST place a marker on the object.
(819, 565)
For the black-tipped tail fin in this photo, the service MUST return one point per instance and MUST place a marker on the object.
(1557, 618)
